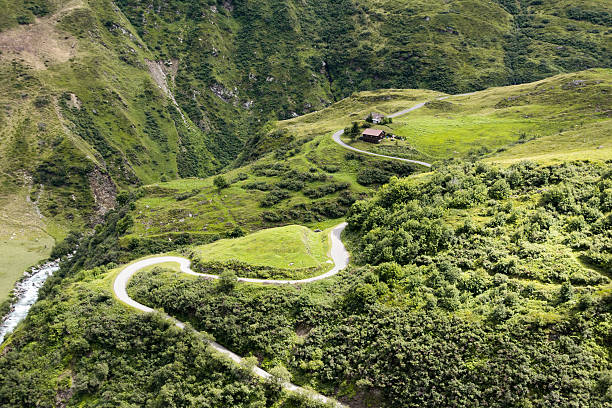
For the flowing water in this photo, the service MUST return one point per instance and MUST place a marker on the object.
(27, 293)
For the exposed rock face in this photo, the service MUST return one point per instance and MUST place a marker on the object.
(159, 72)
(159, 75)
(104, 191)
(74, 102)
(226, 95)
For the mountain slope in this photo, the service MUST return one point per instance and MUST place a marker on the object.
(464, 283)
(139, 90)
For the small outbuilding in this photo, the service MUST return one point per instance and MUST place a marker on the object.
(373, 135)
(375, 118)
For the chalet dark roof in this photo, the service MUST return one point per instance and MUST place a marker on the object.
(373, 132)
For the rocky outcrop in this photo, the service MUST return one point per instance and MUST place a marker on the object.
(159, 72)
(225, 94)
(104, 191)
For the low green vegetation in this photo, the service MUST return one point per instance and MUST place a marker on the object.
(538, 224)
(290, 247)
(315, 181)
(473, 277)
(301, 176)
(19, 12)
(197, 127)
(290, 134)
(113, 95)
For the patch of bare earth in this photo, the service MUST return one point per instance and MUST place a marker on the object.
(39, 44)
(104, 192)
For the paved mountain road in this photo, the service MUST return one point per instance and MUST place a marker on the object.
(338, 253)
(338, 134)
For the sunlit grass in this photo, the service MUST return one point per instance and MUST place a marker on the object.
(290, 247)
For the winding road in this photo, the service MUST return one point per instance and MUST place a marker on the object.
(338, 254)
(338, 134)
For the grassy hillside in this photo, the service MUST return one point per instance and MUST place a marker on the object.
(472, 277)
(82, 117)
(570, 113)
(473, 284)
(298, 174)
(100, 95)
(91, 70)
(23, 241)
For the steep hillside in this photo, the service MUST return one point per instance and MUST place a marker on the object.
(132, 92)
(288, 56)
(82, 117)
(297, 174)
(468, 285)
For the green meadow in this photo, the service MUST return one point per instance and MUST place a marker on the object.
(25, 240)
(563, 117)
(290, 247)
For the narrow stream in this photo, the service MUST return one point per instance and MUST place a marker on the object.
(27, 293)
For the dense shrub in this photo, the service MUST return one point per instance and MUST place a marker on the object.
(274, 197)
(369, 176)
(326, 189)
(258, 185)
(405, 221)
(220, 182)
(187, 194)
(290, 184)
